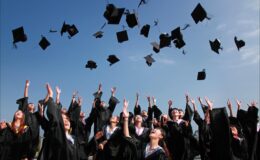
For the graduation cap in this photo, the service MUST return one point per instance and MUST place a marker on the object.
(72, 30)
(98, 34)
(91, 65)
(112, 14)
(122, 36)
(19, 35)
(112, 59)
(145, 30)
(149, 59)
(156, 47)
(177, 38)
(165, 40)
(239, 43)
(131, 20)
(215, 45)
(201, 75)
(44, 43)
(199, 14)
(64, 28)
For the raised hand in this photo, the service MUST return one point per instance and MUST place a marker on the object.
(238, 104)
(27, 83)
(125, 107)
(170, 103)
(80, 101)
(74, 94)
(209, 103)
(193, 104)
(49, 90)
(187, 97)
(58, 90)
(229, 104)
(113, 91)
(253, 104)
(99, 87)
(154, 100)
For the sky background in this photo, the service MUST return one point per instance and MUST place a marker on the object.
(231, 74)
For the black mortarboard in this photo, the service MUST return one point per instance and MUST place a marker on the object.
(44, 43)
(176, 33)
(177, 38)
(215, 45)
(165, 40)
(122, 36)
(64, 28)
(72, 30)
(239, 43)
(201, 75)
(156, 47)
(149, 59)
(131, 20)
(98, 34)
(113, 14)
(91, 64)
(112, 59)
(19, 35)
(199, 14)
(145, 30)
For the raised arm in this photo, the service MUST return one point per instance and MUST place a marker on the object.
(188, 111)
(26, 88)
(58, 91)
(170, 108)
(113, 100)
(126, 116)
(230, 108)
(137, 108)
(198, 120)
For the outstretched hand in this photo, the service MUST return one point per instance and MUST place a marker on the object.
(113, 91)
(80, 101)
(209, 103)
(27, 83)
(229, 104)
(125, 107)
(58, 90)
(187, 97)
(170, 103)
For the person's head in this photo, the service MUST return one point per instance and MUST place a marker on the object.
(157, 134)
(66, 122)
(3, 125)
(103, 104)
(64, 111)
(234, 130)
(164, 119)
(144, 114)
(138, 119)
(181, 113)
(82, 115)
(19, 115)
(175, 114)
(114, 120)
(31, 107)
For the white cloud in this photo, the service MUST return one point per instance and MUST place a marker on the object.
(165, 61)
(251, 34)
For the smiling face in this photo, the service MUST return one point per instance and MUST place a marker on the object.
(156, 134)
(138, 119)
(18, 115)
(175, 114)
(66, 122)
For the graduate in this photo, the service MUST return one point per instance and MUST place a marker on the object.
(15, 138)
(152, 150)
(31, 119)
(204, 131)
(102, 114)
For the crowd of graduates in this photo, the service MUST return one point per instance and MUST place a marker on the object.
(138, 135)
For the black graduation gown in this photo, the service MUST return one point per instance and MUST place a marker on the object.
(179, 145)
(57, 146)
(102, 115)
(15, 147)
(204, 136)
(111, 149)
(31, 119)
(220, 147)
(248, 121)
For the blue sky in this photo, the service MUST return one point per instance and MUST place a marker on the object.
(230, 74)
